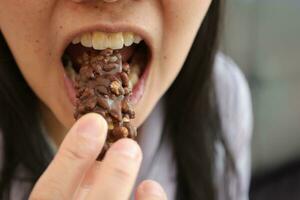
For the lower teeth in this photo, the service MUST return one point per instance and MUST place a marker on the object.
(70, 71)
(134, 74)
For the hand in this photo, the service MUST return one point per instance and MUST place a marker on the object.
(74, 172)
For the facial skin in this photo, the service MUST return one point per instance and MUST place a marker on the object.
(36, 30)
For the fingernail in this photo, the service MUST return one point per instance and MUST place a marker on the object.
(89, 126)
(152, 188)
(126, 147)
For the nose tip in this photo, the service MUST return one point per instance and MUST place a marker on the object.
(106, 1)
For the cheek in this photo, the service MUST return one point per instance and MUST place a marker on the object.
(181, 23)
(29, 38)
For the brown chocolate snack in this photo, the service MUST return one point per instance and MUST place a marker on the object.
(102, 86)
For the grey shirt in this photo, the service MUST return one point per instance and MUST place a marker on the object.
(235, 106)
(236, 116)
(231, 179)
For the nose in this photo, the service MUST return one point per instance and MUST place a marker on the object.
(106, 1)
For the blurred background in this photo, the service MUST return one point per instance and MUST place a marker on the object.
(262, 36)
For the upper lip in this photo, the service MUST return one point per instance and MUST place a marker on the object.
(110, 28)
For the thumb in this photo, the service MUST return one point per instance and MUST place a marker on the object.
(75, 156)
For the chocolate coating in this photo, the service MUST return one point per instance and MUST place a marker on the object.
(102, 86)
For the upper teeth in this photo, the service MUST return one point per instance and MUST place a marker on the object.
(100, 40)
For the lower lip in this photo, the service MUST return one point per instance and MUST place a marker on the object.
(137, 91)
(69, 85)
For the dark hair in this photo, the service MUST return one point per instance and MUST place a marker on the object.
(193, 113)
(192, 117)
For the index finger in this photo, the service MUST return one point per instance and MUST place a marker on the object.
(117, 173)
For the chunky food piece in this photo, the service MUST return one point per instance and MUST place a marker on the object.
(102, 86)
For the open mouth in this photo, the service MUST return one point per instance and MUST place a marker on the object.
(133, 49)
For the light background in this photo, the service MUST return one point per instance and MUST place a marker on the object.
(262, 36)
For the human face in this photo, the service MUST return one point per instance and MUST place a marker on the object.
(38, 32)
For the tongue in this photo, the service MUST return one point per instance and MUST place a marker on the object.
(74, 51)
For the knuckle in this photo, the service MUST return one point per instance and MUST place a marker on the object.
(71, 154)
(123, 174)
